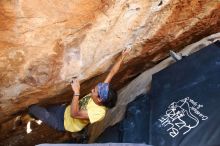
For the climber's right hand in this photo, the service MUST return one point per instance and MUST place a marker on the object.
(126, 51)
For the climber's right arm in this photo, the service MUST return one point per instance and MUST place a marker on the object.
(117, 65)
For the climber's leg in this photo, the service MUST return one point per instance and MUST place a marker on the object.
(58, 112)
(53, 117)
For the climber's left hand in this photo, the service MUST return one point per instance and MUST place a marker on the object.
(75, 86)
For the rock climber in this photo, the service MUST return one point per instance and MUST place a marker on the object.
(89, 109)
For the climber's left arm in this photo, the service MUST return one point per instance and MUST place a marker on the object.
(75, 111)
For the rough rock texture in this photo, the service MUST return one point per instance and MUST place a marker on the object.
(44, 43)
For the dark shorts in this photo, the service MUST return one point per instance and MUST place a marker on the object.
(52, 116)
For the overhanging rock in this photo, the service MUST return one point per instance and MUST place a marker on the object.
(43, 44)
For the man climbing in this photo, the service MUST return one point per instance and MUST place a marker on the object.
(90, 109)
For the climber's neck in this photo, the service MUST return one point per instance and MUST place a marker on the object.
(96, 100)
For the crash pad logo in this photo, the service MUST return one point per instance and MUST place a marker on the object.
(182, 116)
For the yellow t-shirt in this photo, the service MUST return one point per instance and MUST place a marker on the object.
(95, 112)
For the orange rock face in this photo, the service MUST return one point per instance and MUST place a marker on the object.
(44, 43)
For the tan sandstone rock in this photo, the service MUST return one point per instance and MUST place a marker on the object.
(44, 43)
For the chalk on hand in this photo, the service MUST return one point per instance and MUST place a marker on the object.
(73, 78)
(128, 48)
